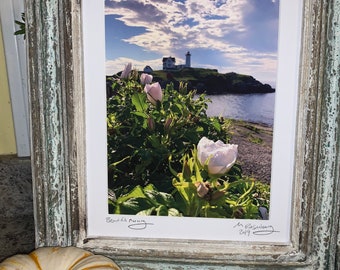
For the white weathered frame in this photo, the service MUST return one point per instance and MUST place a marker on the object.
(58, 155)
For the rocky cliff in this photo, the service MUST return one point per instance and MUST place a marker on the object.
(211, 82)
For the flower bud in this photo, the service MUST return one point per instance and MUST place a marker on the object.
(238, 213)
(186, 171)
(146, 78)
(151, 124)
(202, 189)
(154, 92)
(126, 72)
(167, 124)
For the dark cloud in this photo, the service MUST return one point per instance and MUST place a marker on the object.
(143, 12)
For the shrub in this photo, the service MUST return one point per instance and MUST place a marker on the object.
(142, 136)
(152, 163)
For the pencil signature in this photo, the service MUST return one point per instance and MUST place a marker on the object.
(132, 223)
(139, 226)
(248, 229)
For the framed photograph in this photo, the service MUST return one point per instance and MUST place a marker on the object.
(70, 144)
(276, 228)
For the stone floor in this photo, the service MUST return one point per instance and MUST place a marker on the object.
(16, 206)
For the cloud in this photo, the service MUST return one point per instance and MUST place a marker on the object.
(229, 27)
(200, 24)
(261, 66)
(118, 64)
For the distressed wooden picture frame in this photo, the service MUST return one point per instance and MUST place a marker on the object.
(56, 83)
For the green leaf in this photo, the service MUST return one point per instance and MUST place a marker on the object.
(150, 187)
(174, 212)
(247, 192)
(154, 140)
(191, 202)
(147, 212)
(137, 192)
(139, 101)
(216, 124)
(162, 210)
(251, 211)
(112, 165)
(131, 206)
(139, 113)
(174, 173)
(160, 198)
(213, 211)
(146, 201)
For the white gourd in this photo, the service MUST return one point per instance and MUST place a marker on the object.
(58, 258)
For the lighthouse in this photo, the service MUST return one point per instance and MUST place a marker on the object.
(187, 59)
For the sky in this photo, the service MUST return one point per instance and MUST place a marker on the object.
(228, 35)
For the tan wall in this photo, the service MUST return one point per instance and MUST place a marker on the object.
(7, 136)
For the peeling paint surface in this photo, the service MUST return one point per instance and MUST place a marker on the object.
(327, 206)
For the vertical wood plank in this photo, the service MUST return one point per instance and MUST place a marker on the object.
(54, 47)
(327, 207)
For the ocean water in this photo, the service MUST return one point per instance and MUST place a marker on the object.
(257, 108)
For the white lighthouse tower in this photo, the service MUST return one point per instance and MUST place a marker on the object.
(187, 59)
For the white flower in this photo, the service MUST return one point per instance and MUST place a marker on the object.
(126, 72)
(146, 78)
(154, 92)
(217, 156)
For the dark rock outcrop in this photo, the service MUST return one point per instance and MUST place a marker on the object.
(208, 81)
(215, 83)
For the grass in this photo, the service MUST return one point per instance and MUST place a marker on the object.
(254, 133)
(185, 74)
(254, 139)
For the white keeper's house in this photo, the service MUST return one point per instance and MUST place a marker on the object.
(169, 63)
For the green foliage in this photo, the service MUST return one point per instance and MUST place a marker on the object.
(185, 74)
(255, 139)
(152, 157)
(219, 197)
(22, 26)
(145, 201)
(142, 137)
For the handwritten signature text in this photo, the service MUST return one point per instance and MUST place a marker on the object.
(132, 223)
(248, 229)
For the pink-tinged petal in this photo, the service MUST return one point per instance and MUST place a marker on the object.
(126, 72)
(154, 92)
(219, 156)
(146, 78)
